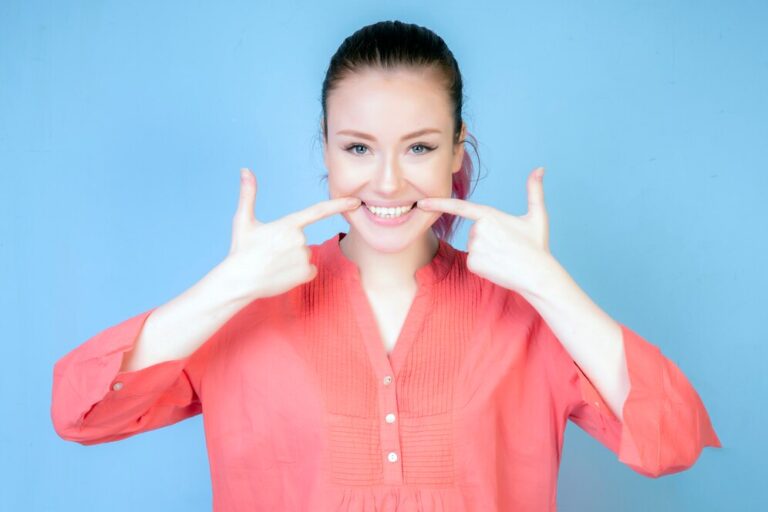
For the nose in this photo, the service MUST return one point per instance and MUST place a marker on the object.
(389, 176)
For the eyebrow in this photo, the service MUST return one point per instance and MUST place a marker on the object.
(372, 138)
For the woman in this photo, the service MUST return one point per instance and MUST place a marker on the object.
(383, 369)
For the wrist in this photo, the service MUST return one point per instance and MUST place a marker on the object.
(225, 282)
(545, 280)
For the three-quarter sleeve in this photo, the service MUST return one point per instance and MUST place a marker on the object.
(665, 425)
(94, 402)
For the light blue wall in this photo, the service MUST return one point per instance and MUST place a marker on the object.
(123, 126)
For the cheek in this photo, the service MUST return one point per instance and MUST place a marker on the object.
(437, 183)
(340, 181)
(346, 176)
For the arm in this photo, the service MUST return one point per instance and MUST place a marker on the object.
(589, 335)
(100, 395)
(177, 329)
(663, 425)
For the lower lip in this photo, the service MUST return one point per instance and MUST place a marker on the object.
(388, 222)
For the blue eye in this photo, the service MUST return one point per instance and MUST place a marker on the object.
(351, 146)
(426, 150)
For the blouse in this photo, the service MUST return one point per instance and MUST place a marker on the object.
(304, 409)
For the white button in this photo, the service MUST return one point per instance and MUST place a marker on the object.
(387, 380)
(117, 386)
(392, 457)
(389, 418)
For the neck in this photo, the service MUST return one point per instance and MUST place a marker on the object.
(389, 270)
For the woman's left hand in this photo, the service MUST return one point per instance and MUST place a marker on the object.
(511, 251)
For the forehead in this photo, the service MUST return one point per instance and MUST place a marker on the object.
(378, 100)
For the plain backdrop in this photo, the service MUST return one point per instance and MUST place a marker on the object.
(123, 126)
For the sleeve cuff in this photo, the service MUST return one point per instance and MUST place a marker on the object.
(666, 425)
(92, 398)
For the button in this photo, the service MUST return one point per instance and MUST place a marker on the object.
(597, 404)
(117, 386)
(387, 380)
(389, 418)
(392, 457)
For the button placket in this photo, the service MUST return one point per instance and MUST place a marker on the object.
(390, 438)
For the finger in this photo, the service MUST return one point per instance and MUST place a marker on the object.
(321, 210)
(247, 200)
(536, 192)
(452, 205)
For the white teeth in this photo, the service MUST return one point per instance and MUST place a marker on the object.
(389, 213)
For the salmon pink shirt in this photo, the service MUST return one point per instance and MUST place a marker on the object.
(304, 409)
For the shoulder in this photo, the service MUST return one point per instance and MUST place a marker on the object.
(491, 296)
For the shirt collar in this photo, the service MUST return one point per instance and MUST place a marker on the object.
(428, 274)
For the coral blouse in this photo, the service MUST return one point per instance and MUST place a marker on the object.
(303, 408)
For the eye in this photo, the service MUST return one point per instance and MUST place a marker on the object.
(351, 146)
(426, 149)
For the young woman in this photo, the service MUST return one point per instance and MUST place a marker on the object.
(384, 369)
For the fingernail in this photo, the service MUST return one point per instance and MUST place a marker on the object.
(243, 174)
(540, 175)
(422, 203)
(354, 202)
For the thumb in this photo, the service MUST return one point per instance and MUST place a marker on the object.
(536, 192)
(247, 200)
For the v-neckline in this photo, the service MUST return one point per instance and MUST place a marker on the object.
(426, 276)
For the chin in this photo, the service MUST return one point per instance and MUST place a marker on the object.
(388, 239)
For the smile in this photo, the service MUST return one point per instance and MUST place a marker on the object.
(389, 216)
(389, 213)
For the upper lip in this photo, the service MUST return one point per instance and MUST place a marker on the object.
(389, 204)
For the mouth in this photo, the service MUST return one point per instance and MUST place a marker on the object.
(413, 205)
(389, 212)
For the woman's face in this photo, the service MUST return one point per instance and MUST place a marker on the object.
(374, 152)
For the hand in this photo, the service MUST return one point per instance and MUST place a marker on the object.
(510, 251)
(270, 258)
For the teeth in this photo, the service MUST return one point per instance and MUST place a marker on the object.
(389, 213)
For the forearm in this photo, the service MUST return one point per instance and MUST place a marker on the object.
(179, 327)
(591, 337)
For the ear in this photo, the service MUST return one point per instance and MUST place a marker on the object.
(459, 156)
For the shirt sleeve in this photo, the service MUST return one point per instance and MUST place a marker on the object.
(94, 402)
(665, 426)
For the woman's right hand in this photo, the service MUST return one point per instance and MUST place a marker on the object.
(271, 258)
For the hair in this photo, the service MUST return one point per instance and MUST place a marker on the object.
(394, 44)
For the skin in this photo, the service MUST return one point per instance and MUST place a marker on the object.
(387, 105)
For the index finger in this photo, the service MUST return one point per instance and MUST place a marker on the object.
(321, 210)
(452, 205)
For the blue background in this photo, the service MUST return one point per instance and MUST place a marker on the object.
(123, 126)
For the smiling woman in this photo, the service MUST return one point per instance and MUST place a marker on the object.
(384, 369)
(393, 133)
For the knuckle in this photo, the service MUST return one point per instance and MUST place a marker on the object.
(295, 237)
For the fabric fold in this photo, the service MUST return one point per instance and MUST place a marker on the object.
(397, 499)
(93, 402)
(665, 426)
